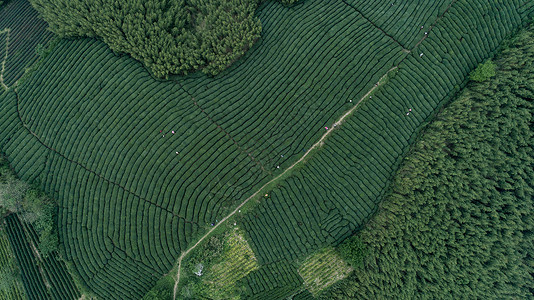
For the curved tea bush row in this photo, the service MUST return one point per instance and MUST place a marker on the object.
(401, 19)
(312, 61)
(339, 188)
(61, 284)
(32, 279)
(26, 31)
(273, 281)
(10, 285)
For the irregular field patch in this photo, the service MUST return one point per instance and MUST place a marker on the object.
(10, 284)
(323, 269)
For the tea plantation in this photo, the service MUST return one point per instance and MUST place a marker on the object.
(143, 168)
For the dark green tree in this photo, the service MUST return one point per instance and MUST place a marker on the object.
(169, 37)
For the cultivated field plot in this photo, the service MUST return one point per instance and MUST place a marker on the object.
(42, 277)
(142, 167)
(273, 281)
(22, 31)
(10, 287)
(312, 60)
(322, 269)
(405, 21)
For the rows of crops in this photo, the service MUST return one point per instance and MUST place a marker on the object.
(405, 21)
(236, 263)
(61, 284)
(33, 281)
(26, 31)
(273, 281)
(313, 59)
(11, 286)
(141, 167)
(339, 188)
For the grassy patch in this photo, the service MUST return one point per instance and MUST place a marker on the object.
(322, 269)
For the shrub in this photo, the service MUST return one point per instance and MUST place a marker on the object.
(483, 72)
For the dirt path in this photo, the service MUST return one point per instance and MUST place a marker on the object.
(316, 145)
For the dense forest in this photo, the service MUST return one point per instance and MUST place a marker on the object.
(169, 37)
(459, 221)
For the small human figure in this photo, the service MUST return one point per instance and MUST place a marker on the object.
(410, 109)
(407, 113)
(326, 128)
(172, 132)
(278, 167)
(420, 54)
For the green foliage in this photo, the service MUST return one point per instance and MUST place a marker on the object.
(169, 37)
(10, 279)
(353, 250)
(32, 206)
(483, 72)
(214, 268)
(459, 220)
(163, 290)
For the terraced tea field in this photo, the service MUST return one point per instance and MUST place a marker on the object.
(143, 169)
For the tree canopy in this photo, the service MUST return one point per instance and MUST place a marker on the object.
(483, 72)
(30, 204)
(459, 220)
(169, 37)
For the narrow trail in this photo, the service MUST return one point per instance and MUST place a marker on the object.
(316, 145)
